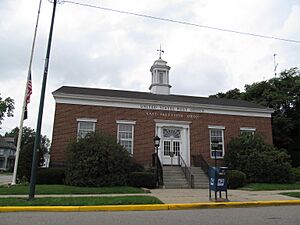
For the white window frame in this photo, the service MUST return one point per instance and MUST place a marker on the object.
(221, 128)
(250, 130)
(126, 122)
(88, 120)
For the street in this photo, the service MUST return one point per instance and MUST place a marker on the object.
(233, 216)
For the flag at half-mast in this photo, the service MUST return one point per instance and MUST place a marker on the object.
(28, 94)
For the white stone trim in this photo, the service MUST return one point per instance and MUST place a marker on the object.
(172, 123)
(86, 120)
(126, 122)
(216, 127)
(185, 139)
(160, 105)
(247, 129)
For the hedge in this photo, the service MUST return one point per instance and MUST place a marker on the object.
(236, 179)
(50, 176)
(142, 179)
(296, 171)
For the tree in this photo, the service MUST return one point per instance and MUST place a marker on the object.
(6, 108)
(26, 151)
(231, 94)
(259, 161)
(282, 94)
(97, 160)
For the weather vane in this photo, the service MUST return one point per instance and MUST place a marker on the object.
(160, 51)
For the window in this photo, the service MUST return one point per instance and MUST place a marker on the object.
(216, 142)
(160, 77)
(85, 126)
(1, 151)
(126, 134)
(247, 130)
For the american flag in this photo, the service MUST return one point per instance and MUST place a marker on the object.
(28, 94)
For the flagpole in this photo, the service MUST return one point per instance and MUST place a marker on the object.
(14, 178)
(37, 140)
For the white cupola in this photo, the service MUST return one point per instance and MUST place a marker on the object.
(160, 83)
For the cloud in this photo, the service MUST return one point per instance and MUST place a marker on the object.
(96, 48)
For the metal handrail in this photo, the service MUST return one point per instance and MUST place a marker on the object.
(186, 170)
(158, 169)
(199, 161)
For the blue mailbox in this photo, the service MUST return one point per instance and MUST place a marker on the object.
(218, 181)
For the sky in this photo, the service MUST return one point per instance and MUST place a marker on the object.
(104, 49)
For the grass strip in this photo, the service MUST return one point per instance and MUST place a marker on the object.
(292, 194)
(81, 201)
(63, 189)
(271, 187)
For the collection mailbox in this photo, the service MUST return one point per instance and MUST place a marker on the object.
(218, 181)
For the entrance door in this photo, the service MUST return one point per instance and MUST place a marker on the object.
(171, 146)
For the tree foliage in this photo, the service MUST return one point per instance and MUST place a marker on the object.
(97, 160)
(259, 161)
(282, 94)
(6, 108)
(26, 150)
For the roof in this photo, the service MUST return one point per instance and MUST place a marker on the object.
(6, 143)
(149, 96)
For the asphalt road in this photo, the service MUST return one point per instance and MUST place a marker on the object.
(289, 215)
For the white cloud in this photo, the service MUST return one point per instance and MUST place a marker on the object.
(104, 49)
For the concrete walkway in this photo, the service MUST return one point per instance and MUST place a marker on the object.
(180, 196)
(169, 196)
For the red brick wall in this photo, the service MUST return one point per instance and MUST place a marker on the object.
(65, 128)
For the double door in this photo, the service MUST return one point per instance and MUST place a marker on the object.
(171, 152)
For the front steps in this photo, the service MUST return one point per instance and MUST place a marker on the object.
(174, 177)
(200, 178)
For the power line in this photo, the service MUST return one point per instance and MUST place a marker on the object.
(182, 22)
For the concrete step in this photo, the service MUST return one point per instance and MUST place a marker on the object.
(200, 178)
(174, 177)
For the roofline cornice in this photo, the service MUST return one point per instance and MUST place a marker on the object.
(125, 103)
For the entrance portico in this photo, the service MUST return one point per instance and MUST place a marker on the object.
(175, 141)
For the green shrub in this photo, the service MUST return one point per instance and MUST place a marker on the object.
(50, 176)
(296, 171)
(136, 167)
(142, 179)
(262, 163)
(97, 160)
(236, 179)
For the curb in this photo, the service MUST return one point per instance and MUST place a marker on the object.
(146, 207)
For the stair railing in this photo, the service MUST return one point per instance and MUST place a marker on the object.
(199, 161)
(158, 169)
(186, 170)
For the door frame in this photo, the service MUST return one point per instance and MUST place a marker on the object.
(185, 138)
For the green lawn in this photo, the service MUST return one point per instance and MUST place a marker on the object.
(292, 194)
(271, 187)
(63, 189)
(81, 201)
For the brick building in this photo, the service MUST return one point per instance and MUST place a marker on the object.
(188, 126)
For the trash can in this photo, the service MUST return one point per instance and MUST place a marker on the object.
(218, 181)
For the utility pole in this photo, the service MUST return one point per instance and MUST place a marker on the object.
(37, 141)
(275, 65)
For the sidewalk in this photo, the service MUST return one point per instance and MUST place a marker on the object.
(181, 196)
(173, 196)
(174, 199)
